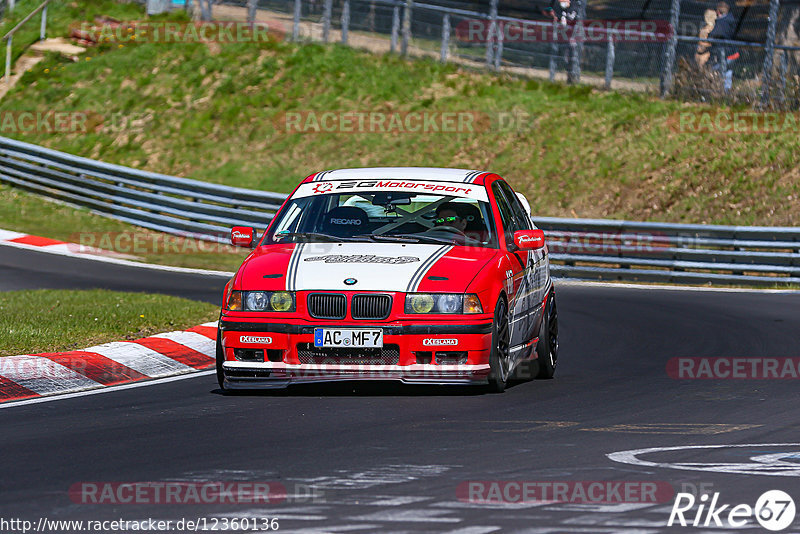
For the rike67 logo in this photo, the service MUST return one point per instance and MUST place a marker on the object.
(774, 510)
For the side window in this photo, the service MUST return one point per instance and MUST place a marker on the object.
(523, 222)
(506, 213)
(290, 220)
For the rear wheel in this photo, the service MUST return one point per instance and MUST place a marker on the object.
(499, 359)
(547, 348)
(220, 359)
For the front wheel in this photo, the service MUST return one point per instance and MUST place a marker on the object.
(499, 359)
(547, 348)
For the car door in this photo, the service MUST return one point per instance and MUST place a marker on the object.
(535, 275)
(519, 282)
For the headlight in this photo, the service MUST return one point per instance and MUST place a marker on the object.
(256, 301)
(282, 301)
(261, 301)
(420, 303)
(450, 303)
(442, 303)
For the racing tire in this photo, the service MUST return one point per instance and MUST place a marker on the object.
(220, 359)
(547, 348)
(499, 359)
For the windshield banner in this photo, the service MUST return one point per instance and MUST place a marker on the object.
(454, 189)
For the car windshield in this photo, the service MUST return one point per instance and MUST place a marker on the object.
(385, 216)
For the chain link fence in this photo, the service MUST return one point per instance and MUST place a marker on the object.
(639, 45)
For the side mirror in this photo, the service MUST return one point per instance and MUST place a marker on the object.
(529, 239)
(242, 236)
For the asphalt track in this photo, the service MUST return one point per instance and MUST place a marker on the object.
(389, 458)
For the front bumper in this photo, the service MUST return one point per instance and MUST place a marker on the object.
(421, 353)
(253, 375)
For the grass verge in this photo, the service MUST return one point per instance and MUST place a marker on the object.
(59, 320)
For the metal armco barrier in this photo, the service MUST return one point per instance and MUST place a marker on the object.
(674, 253)
(579, 248)
(150, 200)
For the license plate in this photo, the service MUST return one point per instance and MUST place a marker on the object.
(347, 338)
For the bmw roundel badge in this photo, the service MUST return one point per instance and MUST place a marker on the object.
(350, 281)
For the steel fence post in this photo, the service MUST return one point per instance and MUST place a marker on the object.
(205, 10)
(345, 21)
(8, 58)
(498, 53)
(576, 45)
(784, 69)
(723, 64)
(251, 11)
(491, 34)
(445, 37)
(769, 51)
(298, 7)
(667, 74)
(326, 20)
(407, 14)
(610, 58)
(43, 27)
(395, 28)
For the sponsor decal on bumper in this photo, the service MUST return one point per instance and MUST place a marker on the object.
(256, 340)
(439, 342)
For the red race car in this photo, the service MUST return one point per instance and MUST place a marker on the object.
(434, 276)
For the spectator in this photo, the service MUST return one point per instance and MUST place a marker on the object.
(703, 53)
(725, 55)
(560, 12)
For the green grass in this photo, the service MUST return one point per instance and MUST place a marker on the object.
(59, 16)
(214, 113)
(58, 320)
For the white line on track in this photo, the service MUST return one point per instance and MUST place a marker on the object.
(108, 389)
(118, 261)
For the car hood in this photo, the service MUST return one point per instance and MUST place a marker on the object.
(363, 267)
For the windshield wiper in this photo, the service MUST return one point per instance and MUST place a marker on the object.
(426, 238)
(318, 236)
(392, 238)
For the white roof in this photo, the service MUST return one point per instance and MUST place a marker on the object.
(429, 174)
